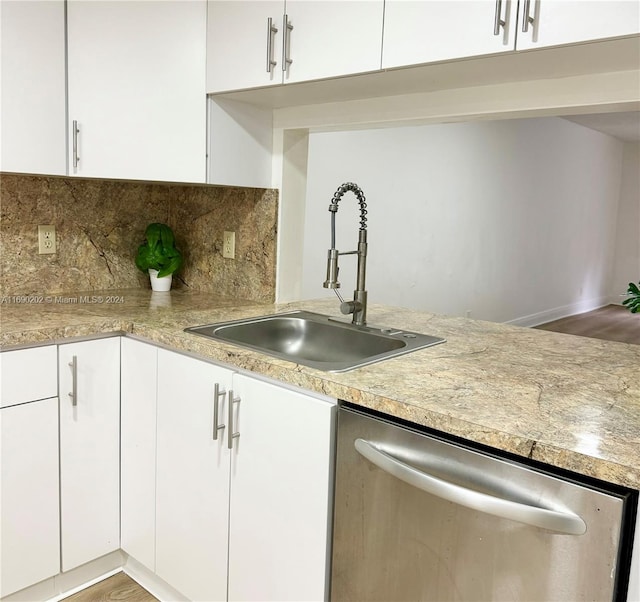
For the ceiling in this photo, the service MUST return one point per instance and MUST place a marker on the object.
(625, 126)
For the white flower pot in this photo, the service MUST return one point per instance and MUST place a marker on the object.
(160, 284)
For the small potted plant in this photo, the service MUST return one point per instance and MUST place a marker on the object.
(158, 256)
(633, 298)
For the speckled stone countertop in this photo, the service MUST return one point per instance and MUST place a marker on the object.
(568, 401)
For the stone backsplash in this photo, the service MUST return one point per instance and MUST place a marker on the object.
(100, 223)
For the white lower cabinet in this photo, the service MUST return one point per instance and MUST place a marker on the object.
(89, 449)
(29, 515)
(29, 468)
(240, 518)
(192, 490)
(138, 381)
(281, 488)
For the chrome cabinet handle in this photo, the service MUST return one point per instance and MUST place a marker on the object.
(230, 434)
(271, 31)
(497, 20)
(217, 394)
(287, 28)
(553, 520)
(73, 364)
(75, 132)
(526, 18)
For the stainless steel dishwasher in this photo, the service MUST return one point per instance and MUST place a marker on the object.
(420, 517)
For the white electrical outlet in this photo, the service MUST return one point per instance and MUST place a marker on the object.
(229, 245)
(46, 239)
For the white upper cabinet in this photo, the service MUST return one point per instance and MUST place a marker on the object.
(249, 43)
(438, 30)
(32, 123)
(329, 38)
(137, 89)
(244, 44)
(556, 22)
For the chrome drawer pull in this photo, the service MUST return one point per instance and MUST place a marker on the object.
(286, 42)
(217, 394)
(230, 434)
(498, 21)
(73, 364)
(75, 132)
(271, 30)
(526, 19)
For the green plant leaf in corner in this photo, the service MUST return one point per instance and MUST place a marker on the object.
(632, 302)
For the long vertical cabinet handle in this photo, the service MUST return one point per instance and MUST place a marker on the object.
(217, 394)
(230, 434)
(287, 28)
(498, 21)
(271, 31)
(526, 18)
(73, 364)
(76, 131)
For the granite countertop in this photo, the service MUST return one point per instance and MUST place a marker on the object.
(568, 401)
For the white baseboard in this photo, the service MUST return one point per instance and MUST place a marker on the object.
(151, 582)
(564, 311)
(65, 584)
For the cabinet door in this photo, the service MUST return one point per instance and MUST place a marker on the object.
(281, 493)
(333, 37)
(89, 450)
(241, 50)
(138, 450)
(566, 21)
(29, 517)
(32, 58)
(28, 375)
(137, 88)
(192, 503)
(438, 30)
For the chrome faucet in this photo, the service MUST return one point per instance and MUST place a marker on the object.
(357, 307)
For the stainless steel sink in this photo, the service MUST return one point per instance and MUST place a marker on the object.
(317, 340)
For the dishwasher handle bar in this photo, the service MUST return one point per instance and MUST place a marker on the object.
(552, 520)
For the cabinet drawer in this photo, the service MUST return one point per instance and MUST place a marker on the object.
(28, 375)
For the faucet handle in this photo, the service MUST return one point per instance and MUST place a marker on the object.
(350, 307)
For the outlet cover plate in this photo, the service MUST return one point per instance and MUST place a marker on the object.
(46, 239)
(229, 245)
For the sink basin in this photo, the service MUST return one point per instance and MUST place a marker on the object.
(316, 340)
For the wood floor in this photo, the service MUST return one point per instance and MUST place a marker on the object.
(118, 588)
(611, 323)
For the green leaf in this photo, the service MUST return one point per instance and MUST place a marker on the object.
(159, 251)
(170, 267)
(166, 237)
(152, 234)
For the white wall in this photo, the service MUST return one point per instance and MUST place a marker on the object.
(509, 220)
(627, 258)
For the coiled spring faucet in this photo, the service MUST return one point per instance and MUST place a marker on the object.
(357, 307)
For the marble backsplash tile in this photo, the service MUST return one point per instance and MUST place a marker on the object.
(100, 223)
